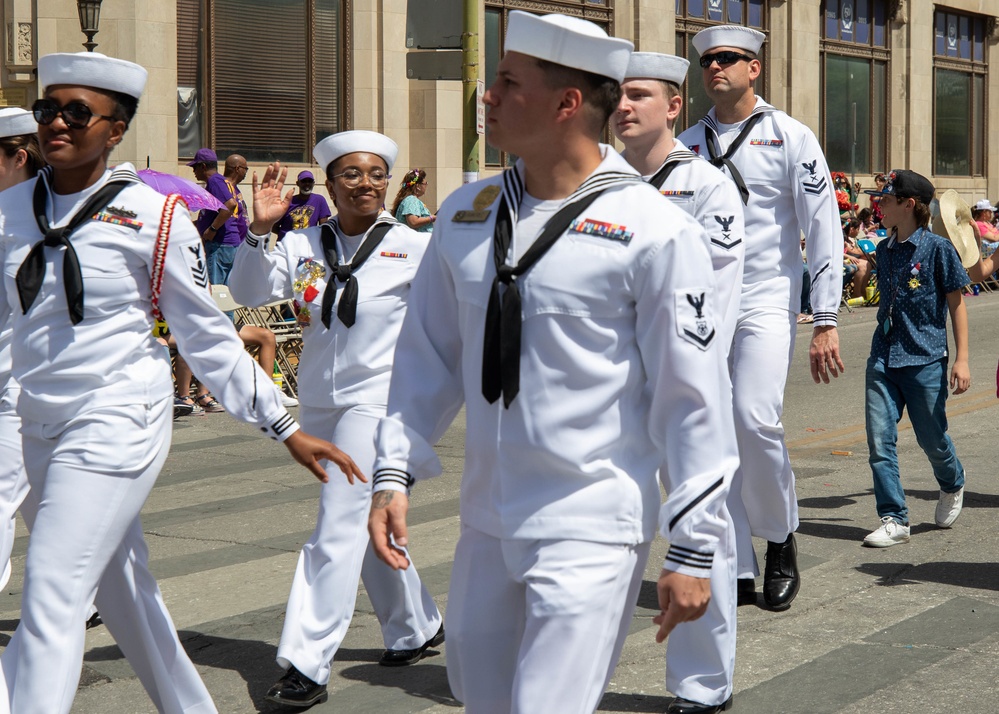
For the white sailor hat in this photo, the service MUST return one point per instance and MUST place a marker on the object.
(568, 41)
(92, 69)
(15, 121)
(653, 65)
(743, 38)
(348, 142)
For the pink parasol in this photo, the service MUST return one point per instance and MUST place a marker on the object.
(194, 195)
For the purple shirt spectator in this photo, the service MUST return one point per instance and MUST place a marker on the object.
(304, 212)
(222, 190)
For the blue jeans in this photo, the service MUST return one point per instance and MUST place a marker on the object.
(219, 258)
(923, 390)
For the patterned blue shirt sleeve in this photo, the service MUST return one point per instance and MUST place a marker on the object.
(951, 274)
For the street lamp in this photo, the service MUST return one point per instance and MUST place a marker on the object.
(90, 18)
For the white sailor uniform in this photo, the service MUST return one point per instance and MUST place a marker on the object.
(344, 379)
(95, 405)
(13, 481)
(700, 655)
(789, 193)
(619, 373)
(705, 193)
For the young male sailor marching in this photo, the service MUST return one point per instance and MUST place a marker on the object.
(700, 659)
(782, 176)
(563, 303)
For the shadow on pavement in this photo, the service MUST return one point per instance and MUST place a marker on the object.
(984, 576)
(821, 528)
(425, 681)
(620, 702)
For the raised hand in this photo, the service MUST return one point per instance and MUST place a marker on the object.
(269, 206)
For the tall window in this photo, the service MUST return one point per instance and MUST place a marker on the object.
(960, 55)
(597, 11)
(692, 16)
(855, 71)
(275, 109)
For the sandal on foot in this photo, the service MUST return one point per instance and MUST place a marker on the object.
(188, 401)
(209, 404)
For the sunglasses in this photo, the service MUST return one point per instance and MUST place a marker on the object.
(724, 58)
(76, 115)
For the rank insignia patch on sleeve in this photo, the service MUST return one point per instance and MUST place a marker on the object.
(695, 320)
(812, 182)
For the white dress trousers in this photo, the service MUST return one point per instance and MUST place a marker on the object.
(538, 625)
(13, 481)
(324, 589)
(761, 356)
(700, 655)
(89, 478)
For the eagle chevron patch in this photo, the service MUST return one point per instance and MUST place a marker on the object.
(695, 318)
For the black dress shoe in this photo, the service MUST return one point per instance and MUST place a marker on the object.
(294, 689)
(400, 658)
(685, 706)
(780, 576)
(95, 621)
(745, 592)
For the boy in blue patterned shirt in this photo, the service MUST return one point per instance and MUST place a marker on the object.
(920, 277)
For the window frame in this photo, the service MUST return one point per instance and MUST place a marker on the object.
(978, 164)
(206, 86)
(874, 54)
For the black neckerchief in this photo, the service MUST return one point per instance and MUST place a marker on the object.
(725, 160)
(31, 274)
(501, 343)
(344, 272)
(675, 159)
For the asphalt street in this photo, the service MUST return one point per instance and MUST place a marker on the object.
(906, 629)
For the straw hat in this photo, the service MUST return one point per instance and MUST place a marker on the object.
(954, 223)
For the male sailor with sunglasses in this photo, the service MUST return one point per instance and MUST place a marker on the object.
(571, 309)
(782, 176)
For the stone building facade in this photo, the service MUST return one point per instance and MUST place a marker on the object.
(884, 83)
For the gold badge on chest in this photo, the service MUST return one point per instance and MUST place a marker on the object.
(486, 197)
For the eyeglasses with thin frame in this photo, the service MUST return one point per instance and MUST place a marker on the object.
(723, 58)
(76, 115)
(352, 178)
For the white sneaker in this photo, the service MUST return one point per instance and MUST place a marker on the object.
(949, 508)
(890, 533)
(288, 401)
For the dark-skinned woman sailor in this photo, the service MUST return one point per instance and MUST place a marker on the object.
(351, 279)
(89, 255)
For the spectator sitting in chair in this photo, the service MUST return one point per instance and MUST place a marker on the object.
(983, 214)
(853, 255)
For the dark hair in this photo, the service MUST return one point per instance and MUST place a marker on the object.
(976, 213)
(601, 94)
(850, 225)
(864, 214)
(921, 212)
(125, 106)
(412, 179)
(10, 145)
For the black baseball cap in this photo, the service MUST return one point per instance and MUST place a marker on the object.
(906, 184)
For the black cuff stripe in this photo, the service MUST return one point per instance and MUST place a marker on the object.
(687, 564)
(393, 476)
(283, 424)
(251, 241)
(707, 492)
(691, 554)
